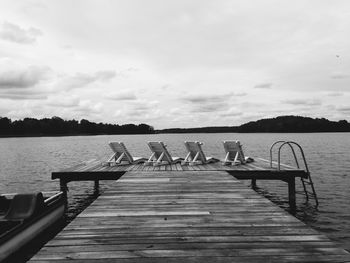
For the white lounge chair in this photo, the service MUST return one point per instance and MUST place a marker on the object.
(234, 153)
(196, 155)
(160, 155)
(122, 156)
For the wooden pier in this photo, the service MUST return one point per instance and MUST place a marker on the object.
(186, 216)
(260, 169)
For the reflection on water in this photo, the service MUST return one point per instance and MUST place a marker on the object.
(26, 165)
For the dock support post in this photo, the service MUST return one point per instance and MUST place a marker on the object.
(63, 187)
(64, 190)
(253, 185)
(291, 194)
(97, 187)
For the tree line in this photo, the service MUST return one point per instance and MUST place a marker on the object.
(281, 124)
(295, 124)
(56, 126)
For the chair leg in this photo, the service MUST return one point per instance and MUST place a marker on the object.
(187, 159)
(227, 161)
(194, 161)
(236, 161)
(120, 158)
(242, 157)
(159, 160)
(150, 160)
(112, 157)
(195, 157)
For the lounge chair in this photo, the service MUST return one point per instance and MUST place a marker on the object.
(196, 155)
(234, 153)
(122, 156)
(160, 155)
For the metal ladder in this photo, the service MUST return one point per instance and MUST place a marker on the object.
(306, 182)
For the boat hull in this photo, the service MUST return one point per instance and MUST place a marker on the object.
(28, 231)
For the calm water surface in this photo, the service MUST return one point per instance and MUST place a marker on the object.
(26, 165)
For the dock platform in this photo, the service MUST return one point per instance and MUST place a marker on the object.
(186, 216)
(260, 169)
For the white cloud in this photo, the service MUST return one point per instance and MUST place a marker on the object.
(210, 107)
(63, 100)
(304, 102)
(20, 95)
(232, 112)
(234, 59)
(335, 94)
(23, 82)
(345, 109)
(210, 98)
(17, 34)
(340, 75)
(263, 86)
(88, 108)
(121, 95)
(80, 80)
(14, 75)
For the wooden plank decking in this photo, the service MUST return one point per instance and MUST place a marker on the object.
(100, 168)
(260, 169)
(186, 216)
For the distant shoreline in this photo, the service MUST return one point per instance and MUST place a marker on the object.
(281, 124)
(57, 127)
(73, 135)
(67, 135)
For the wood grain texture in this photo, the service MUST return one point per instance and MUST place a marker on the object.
(98, 170)
(186, 216)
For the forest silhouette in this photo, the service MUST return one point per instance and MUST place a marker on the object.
(281, 124)
(56, 126)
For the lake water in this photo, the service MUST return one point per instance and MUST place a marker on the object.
(26, 165)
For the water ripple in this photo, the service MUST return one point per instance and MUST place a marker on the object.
(26, 165)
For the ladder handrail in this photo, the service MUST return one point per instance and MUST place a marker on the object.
(283, 143)
(271, 147)
(301, 151)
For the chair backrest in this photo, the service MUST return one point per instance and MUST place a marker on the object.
(24, 206)
(118, 148)
(158, 148)
(196, 147)
(232, 148)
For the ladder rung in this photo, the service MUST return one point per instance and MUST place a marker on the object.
(312, 194)
(308, 182)
(306, 193)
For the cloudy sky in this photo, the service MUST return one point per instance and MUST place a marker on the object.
(183, 63)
